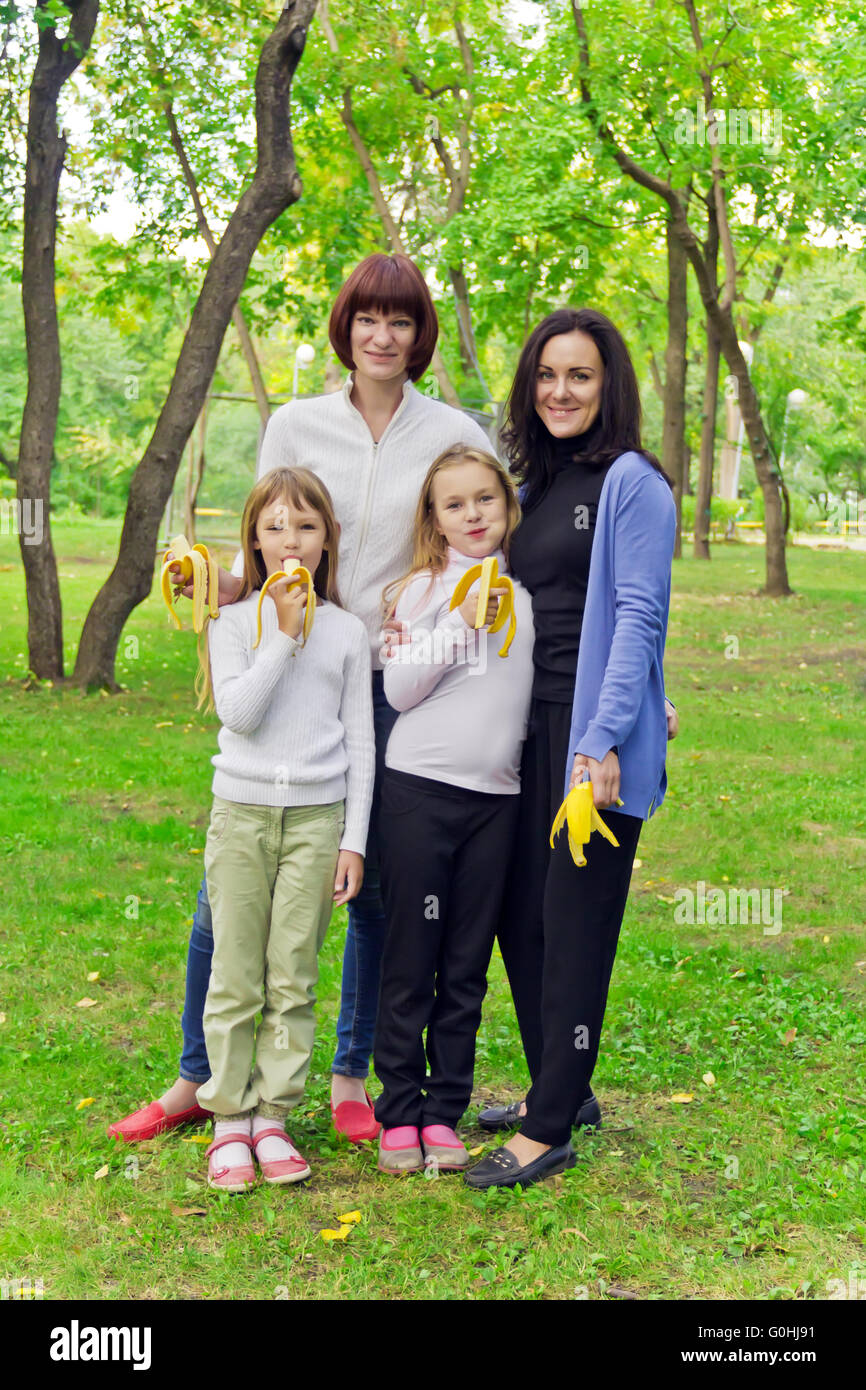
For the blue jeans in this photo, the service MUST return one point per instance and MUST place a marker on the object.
(362, 957)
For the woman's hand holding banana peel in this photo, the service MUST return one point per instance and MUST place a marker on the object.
(604, 776)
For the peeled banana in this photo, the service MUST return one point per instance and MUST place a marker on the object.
(578, 811)
(298, 574)
(196, 564)
(488, 573)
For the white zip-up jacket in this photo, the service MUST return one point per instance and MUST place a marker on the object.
(374, 486)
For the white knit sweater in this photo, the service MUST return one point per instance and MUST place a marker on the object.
(464, 708)
(297, 721)
(374, 487)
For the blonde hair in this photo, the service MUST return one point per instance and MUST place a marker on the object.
(429, 546)
(299, 487)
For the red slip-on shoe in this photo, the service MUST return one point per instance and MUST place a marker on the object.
(152, 1120)
(356, 1120)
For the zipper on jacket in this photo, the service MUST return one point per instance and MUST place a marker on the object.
(365, 519)
(368, 500)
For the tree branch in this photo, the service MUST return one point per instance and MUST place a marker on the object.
(730, 290)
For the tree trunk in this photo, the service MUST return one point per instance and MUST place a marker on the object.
(275, 186)
(674, 428)
(46, 151)
(464, 320)
(719, 313)
(240, 323)
(704, 491)
(392, 231)
(194, 474)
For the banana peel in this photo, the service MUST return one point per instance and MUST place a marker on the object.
(578, 813)
(488, 573)
(298, 574)
(195, 563)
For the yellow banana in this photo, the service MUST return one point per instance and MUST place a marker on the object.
(579, 813)
(488, 573)
(298, 574)
(196, 564)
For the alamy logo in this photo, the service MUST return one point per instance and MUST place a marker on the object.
(22, 518)
(736, 127)
(737, 907)
(438, 648)
(76, 1343)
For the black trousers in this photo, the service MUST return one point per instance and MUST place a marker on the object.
(442, 851)
(559, 930)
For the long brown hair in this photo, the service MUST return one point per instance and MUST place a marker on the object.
(429, 546)
(299, 487)
(527, 443)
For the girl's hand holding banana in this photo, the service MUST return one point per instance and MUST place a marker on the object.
(290, 601)
(469, 608)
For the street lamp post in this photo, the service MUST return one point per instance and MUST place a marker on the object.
(795, 401)
(748, 352)
(303, 357)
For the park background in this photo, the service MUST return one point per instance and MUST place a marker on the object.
(697, 172)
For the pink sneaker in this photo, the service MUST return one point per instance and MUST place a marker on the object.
(443, 1149)
(400, 1150)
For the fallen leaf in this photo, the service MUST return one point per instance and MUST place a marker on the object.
(92, 976)
(164, 724)
(101, 1172)
(2, 1018)
(724, 798)
(681, 962)
(86, 1003)
(789, 1036)
(615, 1153)
(350, 1217)
(681, 1097)
(335, 1235)
(124, 1219)
(479, 1149)
(825, 939)
(638, 864)
(708, 1079)
(737, 974)
(193, 851)
(573, 1231)
(188, 1211)
(83, 1104)
(195, 1139)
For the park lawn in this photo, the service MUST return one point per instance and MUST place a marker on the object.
(753, 1188)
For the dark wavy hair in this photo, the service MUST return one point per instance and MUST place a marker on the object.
(526, 441)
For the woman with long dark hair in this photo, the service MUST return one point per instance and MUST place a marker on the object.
(594, 550)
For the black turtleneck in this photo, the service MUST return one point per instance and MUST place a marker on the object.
(550, 555)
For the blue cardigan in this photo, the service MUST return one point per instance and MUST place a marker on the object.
(619, 694)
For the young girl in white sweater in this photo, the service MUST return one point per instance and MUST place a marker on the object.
(287, 833)
(449, 805)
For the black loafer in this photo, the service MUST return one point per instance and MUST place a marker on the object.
(508, 1116)
(501, 1168)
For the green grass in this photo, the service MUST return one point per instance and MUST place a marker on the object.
(754, 1189)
